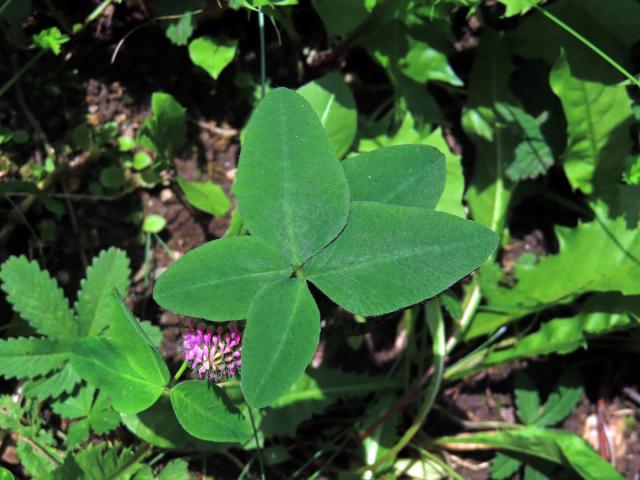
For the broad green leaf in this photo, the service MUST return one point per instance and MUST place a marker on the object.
(30, 357)
(126, 365)
(159, 426)
(166, 131)
(153, 224)
(5, 474)
(37, 298)
(333, 102)
(422, 62)
(109, 271)
(518, 7)
(282, 334)
(218, 280)
(555, 446)
(533, 157)
(53, 384)
(527, 399)
(212, 55)
(598, 120)
(451, 199)
(204, 411)
(409, 175)
(389, 257)
(342, 20)
(205, 196)
(134, 379)
(489, 192)
(291, 189)
(562, 400)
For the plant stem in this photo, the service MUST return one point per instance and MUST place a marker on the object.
(263, 54)
(179, 373)
(471, 304)
(255, 436)
(436, 328)
(589, 44)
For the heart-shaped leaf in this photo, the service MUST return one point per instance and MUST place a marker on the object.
(283, 328)
(291, 189)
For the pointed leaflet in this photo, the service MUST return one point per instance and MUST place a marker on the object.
(37, 298)
(598, 121)
(125, 365)
(409, 175)
(291, 189)
(555, 446)
(389, 257)
(451, 198)
(30, 357)
(334, 104)
(108, 271)
(489, 192)
(218, 280)
(204, 411)
(283, 329)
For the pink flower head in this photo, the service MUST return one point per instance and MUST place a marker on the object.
(214, 353)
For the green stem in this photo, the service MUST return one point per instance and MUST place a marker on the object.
(589, 44)
(263, 54)
(436, 328)
(255, 437)
(179, 373)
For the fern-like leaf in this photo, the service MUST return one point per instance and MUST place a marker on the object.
(108, 272)
(562, 400)
(31, 357)
(37, 298)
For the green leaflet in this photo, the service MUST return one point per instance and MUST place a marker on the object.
(204, 411)
(53, 384)
(218, 280)
(99, 461)
(409, 175)
(108, 271)
(126, 365)
(451, 199)
(205, 196)
(489, 192)
(290, 187)
(212, 55)
(389, 257)
(598, 121)
(37, 298)
(555, 446)
(165, 132)
(282, 334)
(527, 399)
(30, 357)
(333, 102)
(519, 7)
(340, 21)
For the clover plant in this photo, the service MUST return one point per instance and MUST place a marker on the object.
(365, 232)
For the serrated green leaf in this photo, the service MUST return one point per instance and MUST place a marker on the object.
(557, 446)
(205, 196)
(489, 192)
(562, 400)
(218, 280)
(290, 186)
(389, 257)
(212, 55)
(34, 462)
(53, 384)
(31, 357)
(282, 334)
(180, 30)
(78, 432)
(176, 469)
(598, 120)
(37, 298)
(51, 39)
(10, 413)
(109, 271)
(99, 462)
(527, 398)
(503, 467)
(204, 411)
(76, 406)
(333, 102)
(409, 175)
(533, 157)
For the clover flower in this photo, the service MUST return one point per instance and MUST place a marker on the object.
(214, 353)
